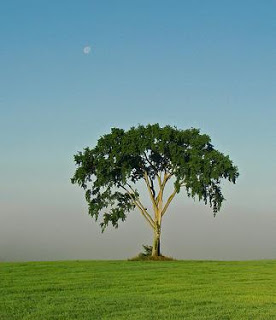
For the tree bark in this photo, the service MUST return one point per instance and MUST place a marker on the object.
(156, 243)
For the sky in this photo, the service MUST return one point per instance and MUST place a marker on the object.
(203, 64)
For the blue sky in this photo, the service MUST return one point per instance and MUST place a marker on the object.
(205, 64)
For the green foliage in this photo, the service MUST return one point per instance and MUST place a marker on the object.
(190, 290)
(147, 250)
(108, 172)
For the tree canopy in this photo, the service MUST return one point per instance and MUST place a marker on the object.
(109, 172)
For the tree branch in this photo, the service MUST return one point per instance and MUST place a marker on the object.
(162, 184)
(146, 178)
(168, 202)
(159, 180)
(152, 187)
(139, 205)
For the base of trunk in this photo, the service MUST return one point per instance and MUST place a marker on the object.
(156, 245)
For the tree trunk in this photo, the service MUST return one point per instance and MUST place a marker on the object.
(156, 244)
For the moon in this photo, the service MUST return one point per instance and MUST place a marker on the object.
(86, 49)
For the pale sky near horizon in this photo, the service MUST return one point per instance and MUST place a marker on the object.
(204, 64)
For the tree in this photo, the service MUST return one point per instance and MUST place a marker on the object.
(110, 171)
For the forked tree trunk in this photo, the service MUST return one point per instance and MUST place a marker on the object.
(156, 244)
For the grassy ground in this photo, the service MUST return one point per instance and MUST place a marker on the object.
(138, 290)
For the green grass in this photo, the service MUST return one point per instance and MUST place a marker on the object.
(138, 290)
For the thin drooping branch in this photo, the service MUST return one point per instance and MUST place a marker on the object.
(150, 162)
(139, 205)
(168, 202)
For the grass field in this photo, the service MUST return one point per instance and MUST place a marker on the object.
(138, 290)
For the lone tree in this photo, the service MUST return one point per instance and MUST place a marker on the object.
(109, 172)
